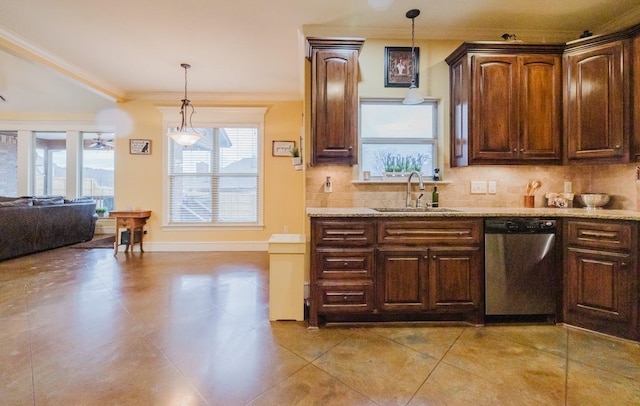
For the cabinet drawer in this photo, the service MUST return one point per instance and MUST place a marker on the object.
(420, 232)
(344, 264)
(345, 297)
(597, 234)
(343, 233)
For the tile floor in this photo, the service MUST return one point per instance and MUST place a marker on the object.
(82, 327)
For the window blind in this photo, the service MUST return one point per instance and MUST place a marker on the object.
(216, 180)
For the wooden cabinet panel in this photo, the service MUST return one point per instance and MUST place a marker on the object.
(601, 276)
(601, 292)
(455, 278)
(505, 104)
(343, 232)
(344, 297)
(339, 263)
(334, 100)
(402, 278)
(459, 114)
(635, 63)
(495, 97)
(422, 232)
(540, 106)
(609, 235)
(596, 103)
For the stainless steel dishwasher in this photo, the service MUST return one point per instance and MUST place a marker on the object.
(520, 268)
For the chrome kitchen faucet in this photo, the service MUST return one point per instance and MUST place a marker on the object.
(420, 186)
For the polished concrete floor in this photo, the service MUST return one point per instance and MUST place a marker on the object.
(82, 327)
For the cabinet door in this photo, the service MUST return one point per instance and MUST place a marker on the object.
(455, 278)
(495, 107)
(402, 277)
(459, 114)
(601, 291)
(595, 103)
(334, 106)
(636, 96)
(540, 104)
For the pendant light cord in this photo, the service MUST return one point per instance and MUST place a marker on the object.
(413, 52)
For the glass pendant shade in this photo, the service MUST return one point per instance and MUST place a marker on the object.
(184, 138)
(413, 96)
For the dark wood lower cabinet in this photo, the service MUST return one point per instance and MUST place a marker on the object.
(417, 269)
(424, 269)
(601, 277)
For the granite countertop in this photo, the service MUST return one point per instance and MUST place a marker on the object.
(477, 212)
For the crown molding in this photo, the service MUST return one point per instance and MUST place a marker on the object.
(628, 19)
(203, 97)
(22, 48)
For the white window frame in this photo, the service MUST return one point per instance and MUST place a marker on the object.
(26, 149)
(214, 117)
(429, 141)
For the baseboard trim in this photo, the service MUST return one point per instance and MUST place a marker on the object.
(207, 246)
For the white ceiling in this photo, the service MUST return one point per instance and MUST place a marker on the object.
(78, 56)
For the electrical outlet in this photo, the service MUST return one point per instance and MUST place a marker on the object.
(492, 187)
(478, 187)
(567, 187)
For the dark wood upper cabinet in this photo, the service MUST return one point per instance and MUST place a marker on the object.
(636, 94)
(334, 99)
(597, 101)
(506, 103)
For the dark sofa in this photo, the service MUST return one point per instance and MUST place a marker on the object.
(38, 223)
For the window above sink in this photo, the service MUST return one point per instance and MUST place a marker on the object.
(389, 128)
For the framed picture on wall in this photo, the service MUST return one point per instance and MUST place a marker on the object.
(140, 147)
(398, 66)
(282, 148)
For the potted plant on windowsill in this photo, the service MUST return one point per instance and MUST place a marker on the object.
(101, 211)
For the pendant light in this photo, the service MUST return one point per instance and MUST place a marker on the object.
(186, 135)
(413, 96)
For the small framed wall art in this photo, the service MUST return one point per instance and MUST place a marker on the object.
(398, 66)
(282, 148)
(140, 147)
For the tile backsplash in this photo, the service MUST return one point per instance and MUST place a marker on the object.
(617, 180)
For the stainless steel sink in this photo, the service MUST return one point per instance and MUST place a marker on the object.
(414, 210)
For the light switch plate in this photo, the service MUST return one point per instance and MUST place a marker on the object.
(492, 187)
(478, 187)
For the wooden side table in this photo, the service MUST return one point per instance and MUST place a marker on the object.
(132, 220)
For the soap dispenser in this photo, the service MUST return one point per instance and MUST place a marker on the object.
(434, 197)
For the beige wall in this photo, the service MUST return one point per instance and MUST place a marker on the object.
(511, 181)
(138, 182)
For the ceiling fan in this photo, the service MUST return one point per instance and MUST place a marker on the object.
(101, 143)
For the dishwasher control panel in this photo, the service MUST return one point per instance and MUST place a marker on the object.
(519, 225)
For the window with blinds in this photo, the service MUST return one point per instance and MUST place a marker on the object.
(216, 181)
